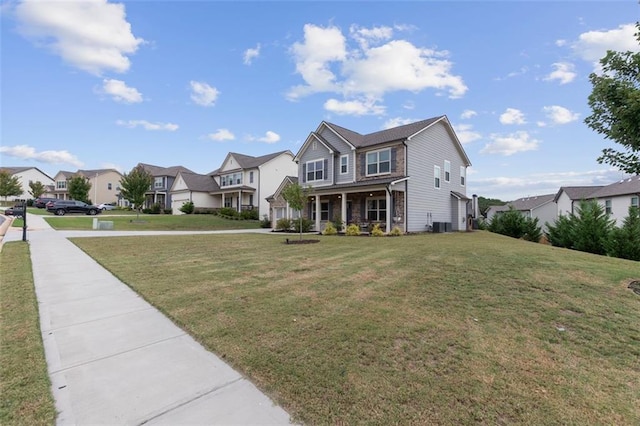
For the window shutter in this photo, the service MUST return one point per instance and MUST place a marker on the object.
(363, 164)
(326, 169)
(363, 210)
(304, 172)
(393, 160)
(330, 211)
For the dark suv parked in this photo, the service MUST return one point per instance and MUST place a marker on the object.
(41, 202)
(62, 207)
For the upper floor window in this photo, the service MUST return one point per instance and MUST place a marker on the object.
(315, 170)
(61, 184)
(344, 164)
(607, 207)
(109, 186)
(447, 171)
(158, 182)
(250, 177)
(436, 177)
(463, 175)
(635, 202)
(231, 179)
(379, 162)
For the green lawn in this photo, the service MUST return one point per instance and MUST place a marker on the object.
(24, 382)
(425, 329)
(162, 222)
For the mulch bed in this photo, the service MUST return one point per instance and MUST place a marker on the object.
(288, 241)
(635, 286)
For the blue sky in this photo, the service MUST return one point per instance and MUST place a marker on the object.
(94, 84)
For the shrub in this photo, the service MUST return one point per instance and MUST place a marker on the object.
(265, 222)
(228, 212)
(560, 234)
(306, 226)
(353, 230)
(187, 208)
(338, 223)
(624, 242)
(329, 229)
(592, 228)
(531, 230)
(146, 211)
(249, 215)
(376, 231)
(155, 208)
(513, 224)
(283, 224)
(396, 231)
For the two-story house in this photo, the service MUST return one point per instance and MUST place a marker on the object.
(541, 207)
(25, 176)
(618, 197)
(105, 184)
(244, 182)
(195, 188)
(412, 176)
(163, 178)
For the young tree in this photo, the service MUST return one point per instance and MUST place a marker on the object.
(296, 196)
(79, 187)
(134, 186)
(624, 242)
(36, 189)
(615, 105)
(9, 185)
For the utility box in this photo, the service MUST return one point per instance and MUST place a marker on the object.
(447, 226)
(105, 224)
(438, 227)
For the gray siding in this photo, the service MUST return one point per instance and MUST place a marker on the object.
(426, 150)
(321, 153)
(343, 149)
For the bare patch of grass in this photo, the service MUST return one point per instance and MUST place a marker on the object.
(430, 329)
(24, 381)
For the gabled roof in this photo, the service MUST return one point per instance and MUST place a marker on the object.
(198, 182)
(577, 193)
(249, 162)
(530, 203)
(286, 181)
(91, 173)
(67, 174)
(14, 170)
(625, 186)
(164, 171)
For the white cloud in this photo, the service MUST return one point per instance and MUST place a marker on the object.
(560, 115)
(120, 92)
(563, 72)
(561, 43)
(466, 134)
(92, 35)
(593, 45)
(355, 107)
(203, 94)
(269, 137)
(147, 125)
(251, 54)
(398, 121)
(512, 116)
(510, 144)
(468, 113)
(327, 64)
(221, 135)
(26, 152)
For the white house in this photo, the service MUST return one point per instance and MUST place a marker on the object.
(196, 188)
(541, 207)
(26, 175)
(618, 197)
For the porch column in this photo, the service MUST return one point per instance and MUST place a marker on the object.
(343, 209)
(389, 212)
(239, 201)
(318, 213)
(222, 200)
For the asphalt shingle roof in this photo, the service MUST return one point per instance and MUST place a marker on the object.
(625, 186)
(577, 192)
(249, 162)
(198, 182)
(164, 171)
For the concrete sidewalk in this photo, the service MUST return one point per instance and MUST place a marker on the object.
(115, 359)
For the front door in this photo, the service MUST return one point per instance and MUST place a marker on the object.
(349, 212)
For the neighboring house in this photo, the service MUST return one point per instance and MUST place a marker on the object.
(618, 197)
(568, 198)
(541, 207)
(412, 176)
(245, 182)
(26, 175)
(163, 178)
(105, 185)
(278, 206)
(195, 188)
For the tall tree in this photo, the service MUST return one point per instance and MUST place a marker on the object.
(37, 188)
(615, 105)
(9, 185)
(134, 185)
(79, 187)
(296, 196)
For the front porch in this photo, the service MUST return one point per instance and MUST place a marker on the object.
(240, 199)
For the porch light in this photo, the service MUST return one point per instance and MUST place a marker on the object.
(370, 194)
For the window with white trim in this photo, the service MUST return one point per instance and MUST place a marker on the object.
(607, 207)
(61, 184)
(436, 177)
(447, 171)
(315, 170)
(109, 186)
(635, 202)
(250, 177)
(231, 179)
(279, 211)
(158, 182)
(379, 162)
(228, 201)
(324, 210)
(463, 175)
(376, 209)
(344, 164)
